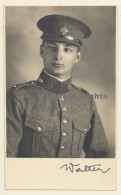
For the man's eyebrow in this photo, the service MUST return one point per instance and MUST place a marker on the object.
(65, 44)
(68, 45)
(51, 42)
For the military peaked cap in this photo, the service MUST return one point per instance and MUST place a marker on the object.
(63, 29)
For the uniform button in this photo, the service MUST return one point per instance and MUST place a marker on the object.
(85, 130)
(62, 98)
(32, 82)
(39, 128)
(40, 80)
(64, 109)
(14, 86)
(62, 147)
(65, 121)
(64, 134)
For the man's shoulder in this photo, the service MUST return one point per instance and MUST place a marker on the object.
(81, 89)
(22, 88)
(24, 85)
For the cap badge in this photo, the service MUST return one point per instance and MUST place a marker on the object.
(64, 30)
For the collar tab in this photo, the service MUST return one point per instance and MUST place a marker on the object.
(50, 83)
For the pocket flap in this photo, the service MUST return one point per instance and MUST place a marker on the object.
(81, 126)
(39, 125)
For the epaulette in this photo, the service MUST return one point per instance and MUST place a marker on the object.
(27, 84)
(80, 89)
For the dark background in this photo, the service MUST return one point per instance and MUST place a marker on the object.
(96, 70)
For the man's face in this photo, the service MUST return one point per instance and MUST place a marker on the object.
(59, 58)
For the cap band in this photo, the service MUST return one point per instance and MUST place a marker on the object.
(63, 38)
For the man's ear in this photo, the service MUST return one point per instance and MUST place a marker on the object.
(41, 51)
(78, 57)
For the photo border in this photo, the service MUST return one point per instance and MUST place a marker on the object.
(118, 96)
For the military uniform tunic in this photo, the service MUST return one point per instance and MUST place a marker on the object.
(52, 119)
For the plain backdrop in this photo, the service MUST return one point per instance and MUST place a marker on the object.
(96, 70)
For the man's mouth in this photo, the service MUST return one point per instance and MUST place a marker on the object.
(57, 64)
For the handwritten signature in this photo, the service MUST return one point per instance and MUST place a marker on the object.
(75, 168)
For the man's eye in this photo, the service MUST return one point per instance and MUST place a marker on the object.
(67, 50)
(52, 48)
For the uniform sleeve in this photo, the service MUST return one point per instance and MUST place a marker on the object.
(14, 123)
(96, 145)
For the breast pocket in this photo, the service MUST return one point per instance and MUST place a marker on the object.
(38, 137)
(79, 130)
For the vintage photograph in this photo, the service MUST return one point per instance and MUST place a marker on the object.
(60, 81)
(60, 97)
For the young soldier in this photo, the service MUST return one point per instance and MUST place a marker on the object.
(50, 117)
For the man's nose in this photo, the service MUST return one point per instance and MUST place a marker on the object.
(58, 55)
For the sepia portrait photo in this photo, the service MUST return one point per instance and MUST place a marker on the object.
(60, 95)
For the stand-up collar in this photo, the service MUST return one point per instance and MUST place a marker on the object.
(52, 84)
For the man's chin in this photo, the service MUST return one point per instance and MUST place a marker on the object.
(57, 73)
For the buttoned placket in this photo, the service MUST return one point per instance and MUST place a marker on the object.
(64, 124)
